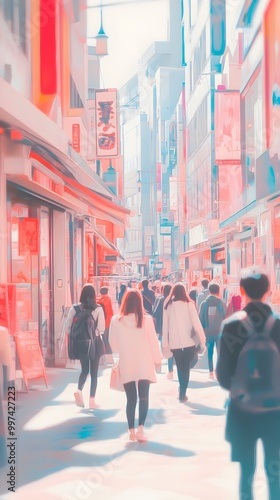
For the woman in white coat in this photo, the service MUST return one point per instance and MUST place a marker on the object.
(132, 334)
(181, 333)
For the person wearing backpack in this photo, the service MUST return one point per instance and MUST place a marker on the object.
(85, 322)
(249, 367)
(211, 314)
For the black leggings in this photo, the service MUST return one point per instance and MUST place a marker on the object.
(131, 396)
(89, 365)
(183, 358)
(272, 467)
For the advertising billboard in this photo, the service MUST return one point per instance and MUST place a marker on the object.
(227, 127)
(107, 133)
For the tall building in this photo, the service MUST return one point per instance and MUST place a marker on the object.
(232, 168)
(148, 104)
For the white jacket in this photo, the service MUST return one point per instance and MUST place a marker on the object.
(138, 348)
(179, 319)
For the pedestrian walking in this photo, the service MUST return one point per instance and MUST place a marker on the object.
(158, 315)
(105, 301)
(193, 295)
(148, 297)
(90, 360)
(211, 314)
(249, 367)
(204, 292)
(121, 293)
(132, 334)
(181, 333)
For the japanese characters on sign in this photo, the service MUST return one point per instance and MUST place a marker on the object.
(107, 136)
(76, 134)
(28, 235)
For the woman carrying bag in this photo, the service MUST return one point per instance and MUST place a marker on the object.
(90, 361)
(182, 333)
(132, 334)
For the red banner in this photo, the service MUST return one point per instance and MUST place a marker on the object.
(76, 134)
(8, 307)
(30, 356)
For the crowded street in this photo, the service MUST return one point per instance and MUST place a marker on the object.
(69, 453)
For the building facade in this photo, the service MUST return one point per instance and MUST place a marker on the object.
(59, 220)
(232, 167)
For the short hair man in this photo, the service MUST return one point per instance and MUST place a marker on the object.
(212, 312)
(244, 429)
(203, 294)
(148, 296)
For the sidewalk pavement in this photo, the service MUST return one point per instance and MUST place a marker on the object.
(69, 453)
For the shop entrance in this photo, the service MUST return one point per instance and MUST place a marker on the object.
(30, 269)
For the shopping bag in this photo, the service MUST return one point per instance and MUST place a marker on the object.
(115, 379)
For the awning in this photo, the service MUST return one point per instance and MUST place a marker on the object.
(105, 242)
(102, 207)
(194, 251)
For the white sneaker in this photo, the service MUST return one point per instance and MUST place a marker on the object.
(79, 399)
(140, 435)
(169, 375)
(92, 404)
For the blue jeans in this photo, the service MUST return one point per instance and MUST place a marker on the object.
(211, 343)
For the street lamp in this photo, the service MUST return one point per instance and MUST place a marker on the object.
(101, 38)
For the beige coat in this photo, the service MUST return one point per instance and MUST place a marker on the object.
(138, 348)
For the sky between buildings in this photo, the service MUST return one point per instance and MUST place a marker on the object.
(131, 28)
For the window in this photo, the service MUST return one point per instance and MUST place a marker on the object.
(15, 16)
(75, 100)
(198, 127)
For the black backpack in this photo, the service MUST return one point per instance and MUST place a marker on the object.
(81, 340)
(255, 385)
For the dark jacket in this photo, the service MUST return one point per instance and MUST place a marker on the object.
(121, 294)
(148, 299)
(212, 330)
(232, 339)
(158, 313)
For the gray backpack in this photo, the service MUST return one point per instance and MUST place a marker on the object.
(255, 385)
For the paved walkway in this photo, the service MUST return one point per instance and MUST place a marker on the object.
(64, 452)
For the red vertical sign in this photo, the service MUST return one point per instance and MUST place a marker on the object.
(76, 135)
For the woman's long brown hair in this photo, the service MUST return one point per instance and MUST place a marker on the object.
(132, 303)
(178, 293)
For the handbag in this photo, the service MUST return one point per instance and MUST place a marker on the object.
(99, 346)
(115, 379)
